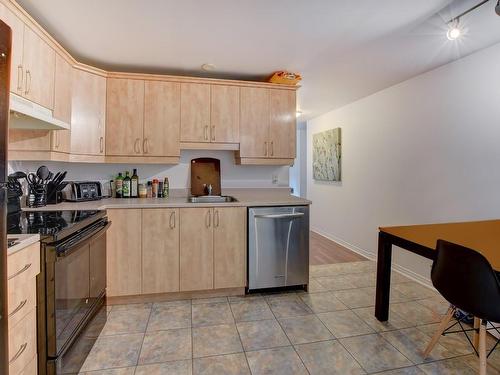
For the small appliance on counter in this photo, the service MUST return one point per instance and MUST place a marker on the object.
(82, 191)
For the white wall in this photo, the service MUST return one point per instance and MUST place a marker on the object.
(232, 175)
(426, 150)
(298, 172)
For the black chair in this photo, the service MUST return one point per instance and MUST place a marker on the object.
(467, 281)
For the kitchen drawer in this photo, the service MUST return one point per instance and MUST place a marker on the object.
(22, 343)
(32, 368)
(21, 298)
(24, 264)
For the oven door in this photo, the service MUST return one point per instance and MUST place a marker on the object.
(76, 281)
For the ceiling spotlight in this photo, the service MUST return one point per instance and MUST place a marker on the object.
(208, 67)
(454, 32)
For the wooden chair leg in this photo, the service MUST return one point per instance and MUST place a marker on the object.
(482, 348)
(475, 339)
(442, 326)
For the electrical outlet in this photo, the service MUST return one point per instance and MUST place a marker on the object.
(275, 179)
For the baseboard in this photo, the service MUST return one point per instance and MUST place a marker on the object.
(371, 256)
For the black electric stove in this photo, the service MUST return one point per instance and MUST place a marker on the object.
(51, 225)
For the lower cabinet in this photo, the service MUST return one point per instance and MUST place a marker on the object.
(160, 250)
(163, 250)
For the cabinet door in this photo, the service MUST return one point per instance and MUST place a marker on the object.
(229, 247)
(39, 65)
(195, 112)
(254, 122)
(62, 90)
(124, 117)
(282, 129)
(196, 255)
(88, 107)
(162, 101)
(123, 252)
(16, 59)
(160, 250)
(225, 114)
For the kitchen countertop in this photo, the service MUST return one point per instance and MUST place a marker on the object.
(24, 241)
(178, 198)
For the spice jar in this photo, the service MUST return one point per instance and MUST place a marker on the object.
(143, 192)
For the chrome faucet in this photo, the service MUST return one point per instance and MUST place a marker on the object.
(208, 188)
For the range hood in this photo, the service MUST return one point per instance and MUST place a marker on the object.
(25, 114)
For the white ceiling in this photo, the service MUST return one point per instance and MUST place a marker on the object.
(345, 49)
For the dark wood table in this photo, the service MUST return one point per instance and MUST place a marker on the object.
(482, 236)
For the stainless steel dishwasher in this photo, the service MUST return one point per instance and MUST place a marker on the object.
(278, 247)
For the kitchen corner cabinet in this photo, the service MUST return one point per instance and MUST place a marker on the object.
(267, 126)
(123, 248)
(88, 108)
(61, 139)
(160, 250)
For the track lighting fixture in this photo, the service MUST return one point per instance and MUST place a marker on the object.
(454, 28)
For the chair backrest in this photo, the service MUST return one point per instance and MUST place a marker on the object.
(466, 279)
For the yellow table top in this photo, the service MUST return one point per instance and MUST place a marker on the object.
(482, 236)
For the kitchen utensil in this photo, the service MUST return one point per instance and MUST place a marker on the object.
(43, 173)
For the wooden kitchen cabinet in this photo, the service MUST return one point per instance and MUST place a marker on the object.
(39, 69)
(16, 57)
(282, 126)
(229, 247)
(196, 249)
(88, 108)
(267, 126)
(61, 139)
(160, 250)
(124, 254)
(161, 118)
(254, 122)
(224, 114)
(195, 112)
(124, 117)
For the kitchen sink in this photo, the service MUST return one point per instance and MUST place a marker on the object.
(212, 199)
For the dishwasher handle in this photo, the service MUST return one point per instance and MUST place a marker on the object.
(281, 216)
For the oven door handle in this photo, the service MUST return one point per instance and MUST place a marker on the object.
(85, 241)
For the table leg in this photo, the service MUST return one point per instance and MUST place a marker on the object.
(383, 277)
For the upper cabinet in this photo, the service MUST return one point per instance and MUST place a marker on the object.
(267, 126)
(39, 61)
(195, 112)
(224, 114)
(61, 139)
(162, 103)
(16, 61)
(88, 108)
(209, 115)
(124, 117)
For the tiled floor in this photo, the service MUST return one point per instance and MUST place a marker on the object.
(330, 330)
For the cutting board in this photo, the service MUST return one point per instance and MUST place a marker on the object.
(205, 171)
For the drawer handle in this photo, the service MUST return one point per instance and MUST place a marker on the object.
(18, 308)
(21, 350)
(25, 268)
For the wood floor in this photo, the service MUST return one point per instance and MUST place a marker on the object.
(324, 251)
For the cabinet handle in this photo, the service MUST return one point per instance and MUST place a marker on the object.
(57, 139)
(28, 82)
(216, 219)
(208, 219)
(265, 148)
(20, 74)
(21, 350)
(137, 149)
(272, 148)
(25, 268)
(213, 132)
(172, 220)
(205, 133)
(18, 308)
(145, 145)
(101, 144)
